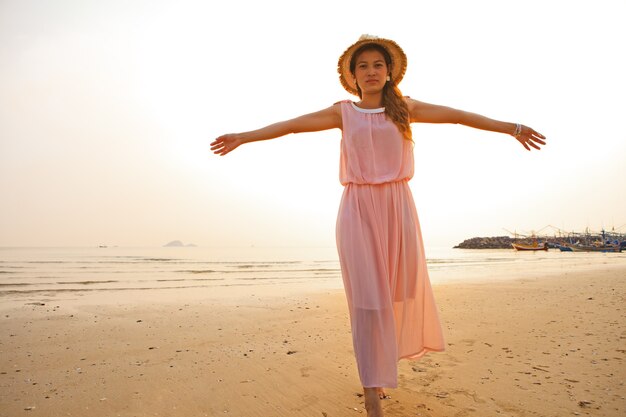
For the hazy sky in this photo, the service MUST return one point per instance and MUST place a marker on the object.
(107, 109)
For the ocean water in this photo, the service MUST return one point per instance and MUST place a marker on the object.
(28, 273)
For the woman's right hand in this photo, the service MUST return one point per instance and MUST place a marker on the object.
(328, 118)
(225, 143)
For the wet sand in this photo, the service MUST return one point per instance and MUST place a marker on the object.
(538, 346)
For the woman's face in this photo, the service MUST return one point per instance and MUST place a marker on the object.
(371, 71)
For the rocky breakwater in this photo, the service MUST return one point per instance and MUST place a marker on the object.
(494, 242)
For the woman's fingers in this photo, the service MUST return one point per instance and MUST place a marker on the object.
(530, 138)
(534, 141)
(217, 148)
(537, 137)
(222, 150)
(217, 142)
(224, 144)
(535, 133)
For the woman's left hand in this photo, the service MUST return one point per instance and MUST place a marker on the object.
(529, 137)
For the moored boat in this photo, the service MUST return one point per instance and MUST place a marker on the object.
(595, 248)
(534, 246)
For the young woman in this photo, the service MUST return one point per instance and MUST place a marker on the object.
(391, 305)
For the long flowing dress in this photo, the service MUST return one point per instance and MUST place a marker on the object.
(392, 309)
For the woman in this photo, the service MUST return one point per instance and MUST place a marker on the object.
(391, 305)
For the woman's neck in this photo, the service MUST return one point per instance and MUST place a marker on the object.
(371, 101)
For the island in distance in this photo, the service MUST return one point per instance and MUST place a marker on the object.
(178, 244)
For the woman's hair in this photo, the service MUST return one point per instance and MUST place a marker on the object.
(395, 106)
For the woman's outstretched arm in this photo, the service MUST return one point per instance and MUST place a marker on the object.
(431, 113)
(328, 118)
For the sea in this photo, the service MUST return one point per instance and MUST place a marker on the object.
(49, 273)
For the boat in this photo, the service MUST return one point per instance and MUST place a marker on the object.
(596, 248)
(534, 246)
(589, 241)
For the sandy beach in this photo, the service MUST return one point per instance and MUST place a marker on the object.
(549, 345)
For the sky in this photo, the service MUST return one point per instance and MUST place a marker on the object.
(107, 110)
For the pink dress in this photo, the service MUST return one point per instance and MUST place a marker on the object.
(392, 308)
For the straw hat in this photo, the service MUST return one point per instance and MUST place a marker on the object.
(398, 61)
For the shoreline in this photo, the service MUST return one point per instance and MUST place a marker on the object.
(44, 277)
(529, 346)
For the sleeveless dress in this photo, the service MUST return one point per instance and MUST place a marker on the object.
(383, 266)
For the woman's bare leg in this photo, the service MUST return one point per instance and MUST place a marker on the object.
(372, 402)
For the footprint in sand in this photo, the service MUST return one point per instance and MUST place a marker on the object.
(310, 399)
(304, 371)
(468, 342)
(470, 394)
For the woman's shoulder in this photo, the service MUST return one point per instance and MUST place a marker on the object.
(341, 102)
(411, 103)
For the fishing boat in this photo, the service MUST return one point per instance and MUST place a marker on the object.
(588, 241)
(534, 246)
(596, 248)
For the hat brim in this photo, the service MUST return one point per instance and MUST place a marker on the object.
(398, 61)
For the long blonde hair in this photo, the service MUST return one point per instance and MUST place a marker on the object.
(393, 101)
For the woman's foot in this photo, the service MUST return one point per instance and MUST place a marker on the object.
(372, 402)
(382, 394)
